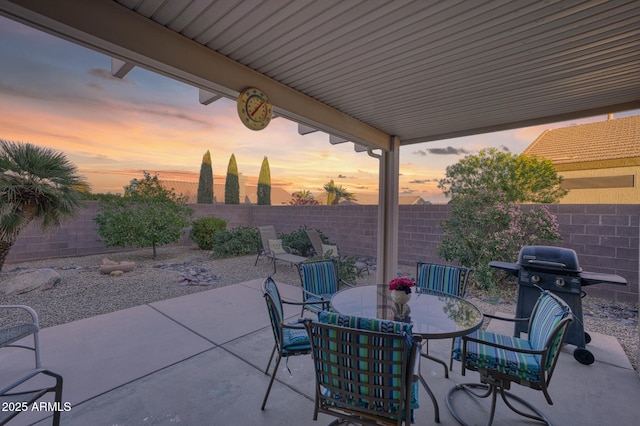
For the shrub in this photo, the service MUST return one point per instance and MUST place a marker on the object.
(299, 241)
(239, 241)
(204, 228)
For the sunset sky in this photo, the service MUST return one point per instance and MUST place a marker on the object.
(57, 94)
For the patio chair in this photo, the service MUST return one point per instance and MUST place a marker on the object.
(273, 249)
(366, 369)
(19, 395)
(445, 279)
(22, 327)
(290, 339)
(502, 360)
(319, 280)
(330, 250)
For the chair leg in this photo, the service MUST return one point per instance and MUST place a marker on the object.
(490, 389)
(273, 376)
(266, 371)
(36, 346)
(425, 354)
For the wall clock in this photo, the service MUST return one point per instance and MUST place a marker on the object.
(254, 108)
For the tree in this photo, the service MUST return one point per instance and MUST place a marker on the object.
(335, 193)
(35, 183)
(485, 221)
(205, 183)
(303, 198)
(520, 178)
(264, 184)
(232, 183)
(148, 215)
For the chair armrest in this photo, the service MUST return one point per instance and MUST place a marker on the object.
(506, 319)
(499, 346)
(292, 302)
(31, 311)
(28, 376)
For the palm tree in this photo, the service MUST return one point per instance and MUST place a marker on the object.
(335, 193)
(35, 182)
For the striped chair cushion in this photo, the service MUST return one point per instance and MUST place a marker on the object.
(523, 366)
(548, 315)
(362, 323)
(294, 340)
(320, 278)
(447, 279)
(377, 325)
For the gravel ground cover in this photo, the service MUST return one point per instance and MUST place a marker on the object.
(178, 270)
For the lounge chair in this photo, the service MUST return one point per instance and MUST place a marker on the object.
(273, 249)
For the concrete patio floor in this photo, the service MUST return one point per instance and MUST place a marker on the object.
(200, 359)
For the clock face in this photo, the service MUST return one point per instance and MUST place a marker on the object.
(254, 108)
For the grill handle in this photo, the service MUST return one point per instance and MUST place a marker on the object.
(547, 263)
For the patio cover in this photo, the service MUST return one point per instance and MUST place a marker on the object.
(378, 73)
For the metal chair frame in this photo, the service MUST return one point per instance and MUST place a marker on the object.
(360, 377)
(493, 382)
(17, 331)
(464, 274)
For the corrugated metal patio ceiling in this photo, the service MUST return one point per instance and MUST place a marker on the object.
(420, 70)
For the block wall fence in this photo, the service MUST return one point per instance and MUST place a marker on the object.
(606, 237)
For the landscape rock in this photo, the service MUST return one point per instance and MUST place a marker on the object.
(24, 282)
(117, 273)
(108, 266)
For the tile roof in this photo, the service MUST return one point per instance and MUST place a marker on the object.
(604, 140)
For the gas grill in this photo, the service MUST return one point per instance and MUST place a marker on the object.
(555, 269)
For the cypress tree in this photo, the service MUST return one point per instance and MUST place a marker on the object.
(205, 184)
(264, 184)
(232, 184)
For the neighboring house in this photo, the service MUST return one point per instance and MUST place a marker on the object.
(248, 193)
(600, 162)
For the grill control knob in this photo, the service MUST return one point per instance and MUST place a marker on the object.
(535, 279)
(560, 282)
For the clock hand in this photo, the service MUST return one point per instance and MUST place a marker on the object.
(257, 108)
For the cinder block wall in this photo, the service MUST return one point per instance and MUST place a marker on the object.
(606, 237)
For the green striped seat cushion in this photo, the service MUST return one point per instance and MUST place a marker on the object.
(294, 340)
(524, 366)
(443, 278)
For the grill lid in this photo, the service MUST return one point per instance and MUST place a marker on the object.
(549, 259)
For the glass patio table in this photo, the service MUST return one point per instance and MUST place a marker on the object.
(434, 315)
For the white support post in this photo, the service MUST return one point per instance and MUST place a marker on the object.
(387, 251)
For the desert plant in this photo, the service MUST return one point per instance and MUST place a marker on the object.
(232, 183)
(238, 241)
(204, 229)
(264, 184)
(35, 183)
(205, 183)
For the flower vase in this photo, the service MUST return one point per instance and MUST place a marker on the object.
(400, 299)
